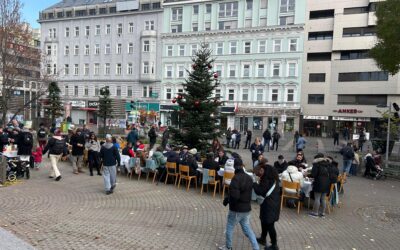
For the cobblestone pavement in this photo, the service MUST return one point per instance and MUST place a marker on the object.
(76, 214)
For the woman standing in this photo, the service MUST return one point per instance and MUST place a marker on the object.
(93, 147)
(268, 188)
(321, 185)
(256, 149)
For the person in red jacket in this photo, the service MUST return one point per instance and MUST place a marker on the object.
(37, 157)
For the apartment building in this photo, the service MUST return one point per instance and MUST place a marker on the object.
(95, 43)
(258, 51)
(342, 85)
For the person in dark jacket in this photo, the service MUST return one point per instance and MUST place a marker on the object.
(111, 159)
(56, 147)
(173, 156)
(78, 145)
(222, 158)
(256, 149)
(348, 155)
(192, 162)
(275, 140)
(268, 188)
(152, 136)
(239, 200)
(3, 139)
(210, 163)
(281, 164)
(321, 185)
(267, 138)
(335, 138)
(165, 138)
(237, 140)
(228, 137)
(24, 141)
(133, 137)
(248, 139)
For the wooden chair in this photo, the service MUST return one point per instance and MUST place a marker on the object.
(151, 168)
(342, 179)
(134, 162)
(171, 171)
(288, 195)
(227, 176)
(185, 174)
(328, 198)
(211, 181)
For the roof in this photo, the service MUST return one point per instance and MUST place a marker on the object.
(76, 3)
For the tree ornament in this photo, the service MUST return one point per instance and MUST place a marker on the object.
(215, 75)
(196, 103)
(194, 66)
(179, 97)
(209, 66)
(174, 100)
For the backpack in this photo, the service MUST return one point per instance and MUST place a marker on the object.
(58, 147)
(27, 139)
(42, 133)
(277, 136)
(349, 153)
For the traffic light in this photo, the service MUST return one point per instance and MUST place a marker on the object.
(396, 108)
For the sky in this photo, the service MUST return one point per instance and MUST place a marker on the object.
(30, 11)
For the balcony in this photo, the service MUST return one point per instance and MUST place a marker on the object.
(148, 33)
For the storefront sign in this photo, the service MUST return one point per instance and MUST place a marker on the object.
(93, 104)
(283, 118)
(142, 105)
(78, 104)
(353, 119)
(348, 111)
(169, 107)
(315, 117)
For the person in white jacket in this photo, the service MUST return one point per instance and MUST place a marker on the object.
(292, 174)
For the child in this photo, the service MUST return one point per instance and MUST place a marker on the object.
(37, 157)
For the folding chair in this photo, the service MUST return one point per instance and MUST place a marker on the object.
(228, 176)
(328, 198)
(171, 171)
(289, 195)
(184, 173)
(210, 180)
(151, 168)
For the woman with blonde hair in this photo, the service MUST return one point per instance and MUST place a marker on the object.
(256, 149)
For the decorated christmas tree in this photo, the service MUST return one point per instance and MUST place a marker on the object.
(198, 107)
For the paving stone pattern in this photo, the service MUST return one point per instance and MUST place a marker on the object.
(76, 214)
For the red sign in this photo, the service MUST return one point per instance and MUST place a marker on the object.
(348, 111)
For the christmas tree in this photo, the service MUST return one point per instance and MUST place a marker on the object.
(55, 107)
(198, 108)
(105, 107)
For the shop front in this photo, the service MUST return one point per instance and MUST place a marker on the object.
(142, 112)
(78, 112)
(168, 116)
(314, 125)
(92, 108)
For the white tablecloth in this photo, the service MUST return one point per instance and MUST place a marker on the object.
(307, 188)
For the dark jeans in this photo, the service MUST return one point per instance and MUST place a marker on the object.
(335, 141)
(248, 143)
(269, 228)
(353, 169)
(275, 142)
(228, 140)
(237, 144)
(94, 161)
(266, 142)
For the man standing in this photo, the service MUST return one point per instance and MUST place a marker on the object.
(239, 201)
(85, 132)
(152, 136)
(165, 138)
(348, 155)
(133, 137)
(56, 147)
(275, 140)
(228, 137)
(267, 138)
(42, 135)
(301, 143)
(78, 145)
(248, 139)
(111, 159)
(335, 138)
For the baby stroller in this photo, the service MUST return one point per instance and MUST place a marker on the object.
(18, 167)
(372, 169)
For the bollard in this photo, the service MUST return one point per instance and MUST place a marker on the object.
(3, 170)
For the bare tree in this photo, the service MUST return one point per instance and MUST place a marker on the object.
(19, 59)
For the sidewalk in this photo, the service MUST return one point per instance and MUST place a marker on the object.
(8, 241)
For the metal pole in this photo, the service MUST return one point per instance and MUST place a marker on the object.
(388, 136)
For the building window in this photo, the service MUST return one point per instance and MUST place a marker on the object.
(48, 69)
(129, 69)
(263, 4)
(76, 50)
(287, 6)
(156, 5)
(359, 31)
(144, 91)
(149, 25)
(66, 69)
(107, 69)
(207, 26)
(290, 95)
(146, 68)
(208, 8)
(76, 31)
(86, 69)
(66, 50)
(97, 49)
(86, 49)
(96, 90)
(76, 90)
(193, 49)
(233, 48)
(319, 56)
(319, 14)
(232, 70)
(130, 91)
(316, 77)
(107, 49)
(248, 22)
(103, 11)
(246, 70)
(363, 76)
(96, 69)
(130, 48)
(292, 44)
(218, 70)
(76, 69)
(181, 50)
(286, 20)
(195, 9)
(54, 69)
(118, 69)
(195, 27)
(247, 47)
(168, 94)
(181, 71)
(276, 69)
(249, 4)
(231, 95)
(245, 94)
(354, 54)
(176, 14)
(262, 45)
(97, 30)
(118, 49)
(316, 99)
(108, 29)
(66, 32)
(277, 45)
(87, 30)
(260, 95)
(355, 10)
(119, 92)
(260, 70)
(362, 99)
(292, 69)
(130, 28)
(274, 95)
(170, 49)
(220, 48)
(176, 28)
(66, 90)
(229, 9)
(119, 29)
(227, 25)
(168, 71)
(321, 35)
(218, 93)
(86, 91)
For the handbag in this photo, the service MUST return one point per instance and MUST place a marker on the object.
(260, 198)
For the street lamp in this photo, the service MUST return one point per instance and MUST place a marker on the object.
(396, 107)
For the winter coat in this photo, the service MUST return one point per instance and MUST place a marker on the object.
(320, 173)
(24, 149)
(228, 134)
(238, 137)
(248, 135)
(152, 135)
(267, 135)
(297, 176)
(128, 151)
(37, 155)
(347, 152)
(211, 164)
(133, 136)
(270, 208)
(256, 150)
(240, 191)
(173, 157)
(301, 143)
(280, 167)
(222, 160)
(192, 163)
(159, 158)
(110, 155)
(93, 145)
(52, 146)
(75, 140)
(276, 136)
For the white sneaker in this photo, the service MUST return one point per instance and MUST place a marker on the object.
(224, 248)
